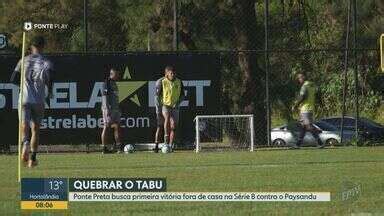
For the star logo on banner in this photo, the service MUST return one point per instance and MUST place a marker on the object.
(128, 89)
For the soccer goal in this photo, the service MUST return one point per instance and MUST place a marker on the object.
(224, 132)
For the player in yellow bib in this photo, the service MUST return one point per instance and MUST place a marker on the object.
(171, 92)
(306, 103)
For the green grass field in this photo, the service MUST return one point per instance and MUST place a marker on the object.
(263, 170)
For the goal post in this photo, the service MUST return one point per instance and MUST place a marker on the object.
(224, 132)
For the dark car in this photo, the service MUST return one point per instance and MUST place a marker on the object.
(368, 130)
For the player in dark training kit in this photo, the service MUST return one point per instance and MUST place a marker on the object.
(159, 115)
(111, 111)
(37, 75)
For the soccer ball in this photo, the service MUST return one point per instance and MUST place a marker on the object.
(128, 149)
(165, 148)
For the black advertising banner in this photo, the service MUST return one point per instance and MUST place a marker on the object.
(73, 115)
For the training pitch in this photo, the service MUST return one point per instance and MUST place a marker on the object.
(335, 170)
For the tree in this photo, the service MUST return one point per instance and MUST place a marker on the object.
(239, 18)
(106, 27)
(253, 93)
(43, 11)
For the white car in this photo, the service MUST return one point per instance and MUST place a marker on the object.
(287, 135)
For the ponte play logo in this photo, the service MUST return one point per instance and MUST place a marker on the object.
(27, 26)
(127, 89)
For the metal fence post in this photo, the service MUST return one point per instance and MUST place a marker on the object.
(355, 69)
(175, 26)
(85, 20)
(266, 61)
(345, 69)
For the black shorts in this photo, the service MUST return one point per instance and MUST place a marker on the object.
(32, 113)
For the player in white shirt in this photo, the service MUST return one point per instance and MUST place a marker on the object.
(37, 75)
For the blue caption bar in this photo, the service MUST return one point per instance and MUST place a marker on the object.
(35, 189)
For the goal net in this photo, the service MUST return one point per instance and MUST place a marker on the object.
(224, 132)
